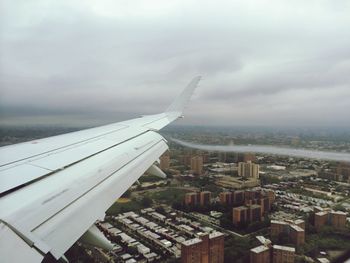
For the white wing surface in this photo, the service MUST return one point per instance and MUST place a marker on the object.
(52, 190)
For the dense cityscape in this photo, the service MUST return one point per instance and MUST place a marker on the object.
(175, 131)
(228, 207)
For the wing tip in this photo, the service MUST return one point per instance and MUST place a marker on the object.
(181, 100)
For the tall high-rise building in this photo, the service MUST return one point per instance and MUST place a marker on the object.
(278, 227)
(203, 249)
(254, 213)
(205, 198)
(225, 198)
(216, 247)
(205, 157)
(272, 196)
(283, 254)
(265, 205)
(248, 169)
(191, 199)
(251, 194)
(320, 219)
(244, 214)
(337, 219)
(191, 251)
(295, 233)
(260, 254)
(164, 162)
(197, 165)
(238, 197)
(239, 214)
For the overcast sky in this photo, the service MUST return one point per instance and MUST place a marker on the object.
(91, 62)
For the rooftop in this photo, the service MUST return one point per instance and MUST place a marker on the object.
(255, 206)
(285, 248)
(297, 228)
(338, 212)
(278, 222)
(259, 249)
(298, 221)
(263, 240)
(191, 242)
(323, 213)
(323, 260)
(240, 208)
(215, 234)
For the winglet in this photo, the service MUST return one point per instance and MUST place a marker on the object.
(175, 110)
(178, 105)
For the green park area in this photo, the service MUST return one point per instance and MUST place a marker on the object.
(118, 208)
(327, 239)
(168, 195)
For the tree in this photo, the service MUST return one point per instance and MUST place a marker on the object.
(177, 205)
(339, 207)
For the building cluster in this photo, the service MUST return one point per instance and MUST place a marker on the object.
(142, 252)
(248, 206)
(236, 157)
(340, 173)
(296, 202)
(293, 229)
(205, 248)
(266, 253)
(196, 160)
(248, 170)
(153, 235)
(202, 198)
(322, 217)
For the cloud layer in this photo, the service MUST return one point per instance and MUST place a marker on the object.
(262, 62)
(284, 151)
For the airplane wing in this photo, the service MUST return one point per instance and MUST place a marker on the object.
(52, 190)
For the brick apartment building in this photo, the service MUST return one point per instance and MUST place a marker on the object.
(206, 248)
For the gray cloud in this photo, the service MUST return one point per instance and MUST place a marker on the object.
(284, 151)
(272, 63)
